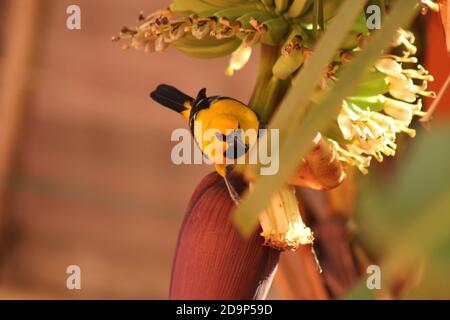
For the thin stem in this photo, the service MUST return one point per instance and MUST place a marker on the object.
(318, 18)
(383, 8)
(436, 103)
(321, 17)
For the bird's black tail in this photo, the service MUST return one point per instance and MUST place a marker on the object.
(171, 98)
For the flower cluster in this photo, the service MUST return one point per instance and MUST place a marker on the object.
(372, 134)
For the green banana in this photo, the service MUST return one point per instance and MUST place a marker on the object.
(289, 62)
(373, 103)
(231, 13)
(330, 8)
(223, 3)
(248, 4)
(184, 7)
(193, 6)
(298, 7)
(208, 47)
(359, 27)
(208, 13)
(270, 4)
(281, 6)
(287, 65)
(373, 84)
(276, 31)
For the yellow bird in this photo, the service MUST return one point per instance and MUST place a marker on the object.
(226, 117)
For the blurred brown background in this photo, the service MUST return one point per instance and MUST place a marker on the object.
(90, 180)
(85, 171)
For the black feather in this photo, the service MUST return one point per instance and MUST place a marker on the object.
(201, 94)
(171, 97)
(175, 92)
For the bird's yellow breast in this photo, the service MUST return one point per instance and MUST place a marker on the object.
(222, 116)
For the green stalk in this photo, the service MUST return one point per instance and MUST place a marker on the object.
(276, 89)
(269, 91)
(268, 57)
(316, 19)
(320, 16)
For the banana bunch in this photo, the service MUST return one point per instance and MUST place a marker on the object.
(301, 11)
(250, 19)
(215, 28)
(329, 10)
(268, 22)
(358, 32)
(208, 48)
(289, 8)
(207, 28)
(188, 7)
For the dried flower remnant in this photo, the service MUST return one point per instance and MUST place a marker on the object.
(282, 224)
(163, 28)
(321, 168)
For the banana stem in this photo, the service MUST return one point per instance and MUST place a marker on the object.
(276, 89)
(268, 57)
(269, 90)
